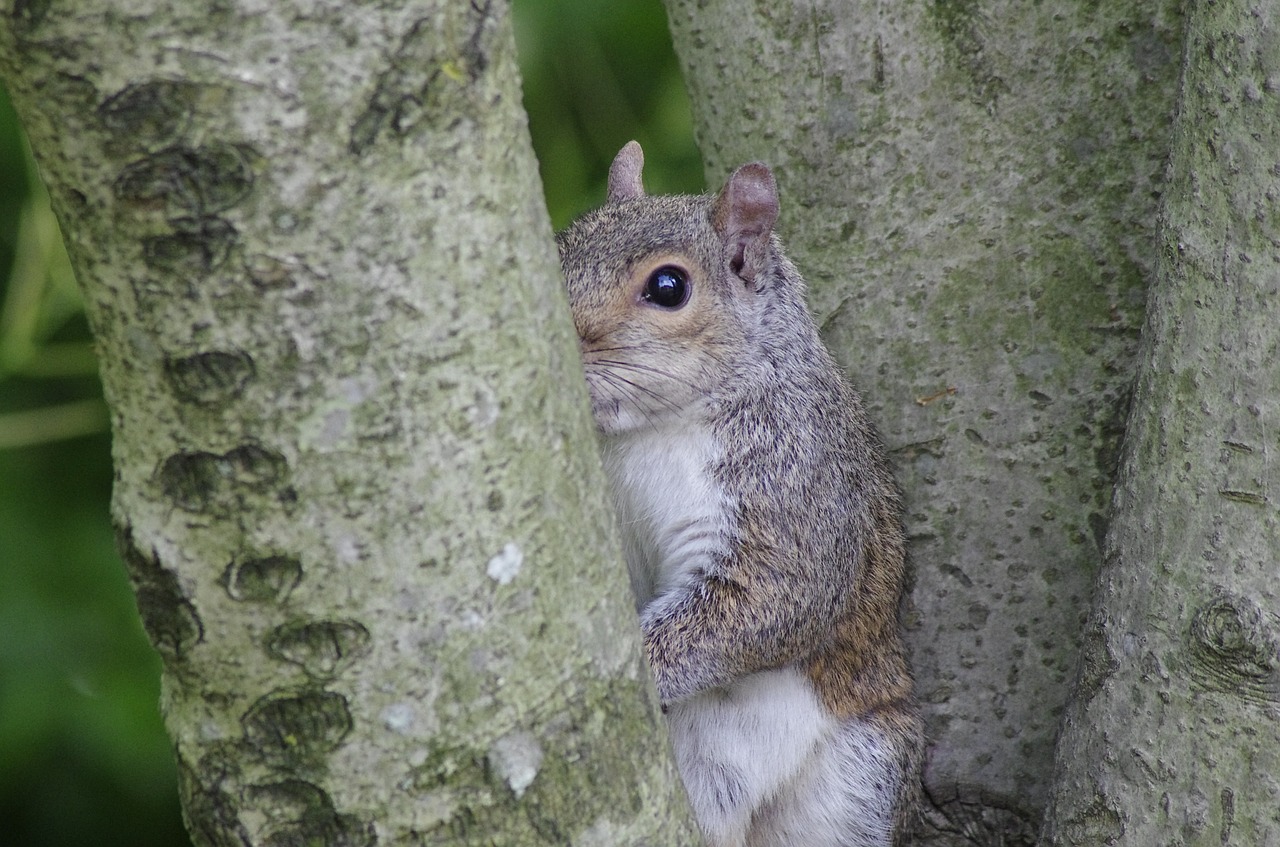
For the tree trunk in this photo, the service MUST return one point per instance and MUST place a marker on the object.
(970, 190)
(357, 486)
(1174, 734)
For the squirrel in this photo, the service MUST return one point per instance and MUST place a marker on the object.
(761, 523)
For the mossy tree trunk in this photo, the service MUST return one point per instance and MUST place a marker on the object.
(357, 487)
(1174, 733)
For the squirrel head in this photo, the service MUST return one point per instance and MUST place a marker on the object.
(668, 292)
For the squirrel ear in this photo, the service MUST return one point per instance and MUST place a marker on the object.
(744, 215)
(624, 174)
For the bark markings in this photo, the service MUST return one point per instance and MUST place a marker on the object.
(339, 362)
(1179, 739)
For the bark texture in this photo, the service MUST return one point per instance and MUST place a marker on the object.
(1174, 734)
(357, 486)
(969, 188)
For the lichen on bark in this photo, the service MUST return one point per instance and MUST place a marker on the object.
(1172, 736)
(357, 485)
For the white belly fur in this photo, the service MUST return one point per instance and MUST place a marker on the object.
(674, 517)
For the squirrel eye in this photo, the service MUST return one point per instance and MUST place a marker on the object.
(667, 287)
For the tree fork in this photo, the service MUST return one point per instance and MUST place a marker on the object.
(970, 189)
(1174, 733)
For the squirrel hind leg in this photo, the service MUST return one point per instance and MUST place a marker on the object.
(739, 746)
(847, 795)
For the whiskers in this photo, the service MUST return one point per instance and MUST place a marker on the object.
(618, 384)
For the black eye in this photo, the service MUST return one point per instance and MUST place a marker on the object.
(667, 287)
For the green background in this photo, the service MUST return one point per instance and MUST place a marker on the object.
(83, 758)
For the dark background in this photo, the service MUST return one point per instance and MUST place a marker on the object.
(83, 757)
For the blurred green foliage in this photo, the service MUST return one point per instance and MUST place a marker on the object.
(83, 758)
(597, 75)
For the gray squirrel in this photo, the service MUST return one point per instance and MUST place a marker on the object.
(760, 520)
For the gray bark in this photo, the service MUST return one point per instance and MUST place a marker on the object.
(357, 486)
(970, 190)
(1174, 734)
